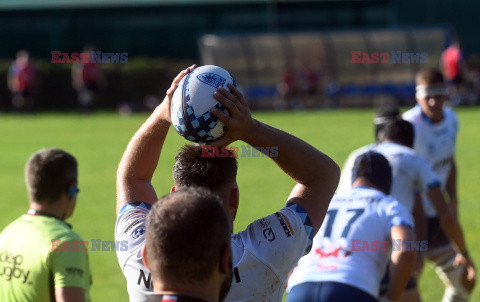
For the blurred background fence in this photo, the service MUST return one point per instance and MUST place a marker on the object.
(324, 60)
(261, 42)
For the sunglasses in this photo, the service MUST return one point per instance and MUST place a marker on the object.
(72, 191)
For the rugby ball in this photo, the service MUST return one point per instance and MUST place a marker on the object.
(192, 103)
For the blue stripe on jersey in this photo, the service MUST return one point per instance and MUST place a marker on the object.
(134, 205)
(399, 221)
(307, 223)
(434, 183)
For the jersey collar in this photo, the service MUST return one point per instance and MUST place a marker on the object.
(173, 298)
(33, 212)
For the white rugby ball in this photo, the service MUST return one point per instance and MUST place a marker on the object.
(193, 101)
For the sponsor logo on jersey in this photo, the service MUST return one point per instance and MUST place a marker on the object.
(287, 227)
(11, 267)
(139, 231)
(134, 223)
(145, 279)
(336, 252)
(269, 234)
(442, 163)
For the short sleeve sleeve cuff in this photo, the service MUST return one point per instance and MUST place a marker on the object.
(307, 223)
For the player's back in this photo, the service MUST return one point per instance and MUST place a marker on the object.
(30, 266)
(352, 246)
(410, 172)
(262, 255)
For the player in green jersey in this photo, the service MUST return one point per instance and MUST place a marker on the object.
(33, 267)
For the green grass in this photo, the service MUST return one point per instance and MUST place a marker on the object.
(98, 142)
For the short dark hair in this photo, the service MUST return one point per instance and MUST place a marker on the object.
(384, 115)
(49, 173)
(400, 131)
(374, 167)
(429, 76)
(186, 232)
(193, 169)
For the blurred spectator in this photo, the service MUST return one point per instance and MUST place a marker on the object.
(310, 81)
(87, 79)
(22, 81)
(452, 59)
(287, 90)
(460, 80)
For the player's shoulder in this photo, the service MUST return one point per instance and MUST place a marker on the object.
(136, 207)
(450, 115)
(282, 228)
(131, 222)
(413, 115)
(49, 227)
(391, 147)
(368, 194)
(355, 153)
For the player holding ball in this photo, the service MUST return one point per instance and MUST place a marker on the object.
(263, 253)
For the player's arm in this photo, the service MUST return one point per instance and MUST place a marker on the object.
(419, 217)
(451, 187)
(316, 174)
(402, 263)
(420, 221)
(449, 223)
(136, 168)
(69, 294)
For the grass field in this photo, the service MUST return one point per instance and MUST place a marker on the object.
(98, 142)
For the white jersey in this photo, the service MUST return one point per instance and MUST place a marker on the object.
(262, 255)
(348, 247)
(411, 172)
(345, 183)
(436, 142)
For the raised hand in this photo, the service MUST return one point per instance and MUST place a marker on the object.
(239, 123)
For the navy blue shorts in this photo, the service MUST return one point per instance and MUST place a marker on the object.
(327, 292)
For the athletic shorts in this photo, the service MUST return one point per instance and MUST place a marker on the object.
(435, 235)
(327, 292)
(412, 283)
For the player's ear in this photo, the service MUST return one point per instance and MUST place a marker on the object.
(172, 189)
(226, 259)
(144, 257)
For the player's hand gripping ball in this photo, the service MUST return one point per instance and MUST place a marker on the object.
(193, 101)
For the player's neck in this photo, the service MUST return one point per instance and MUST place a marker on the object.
(366, 183)
(54, 209)
(201, 291)
(434, 118)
